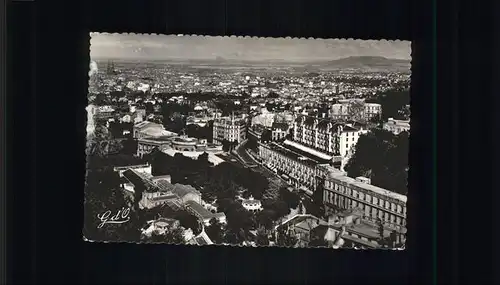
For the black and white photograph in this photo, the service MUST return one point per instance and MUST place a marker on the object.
(245, 141)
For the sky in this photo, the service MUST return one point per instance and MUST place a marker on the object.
(173, 47)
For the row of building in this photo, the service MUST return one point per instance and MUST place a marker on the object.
(312, 160)
(344, 229)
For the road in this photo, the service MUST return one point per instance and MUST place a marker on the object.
(275, 183)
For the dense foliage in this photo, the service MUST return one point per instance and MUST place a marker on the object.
(393, 104)
(383, 157)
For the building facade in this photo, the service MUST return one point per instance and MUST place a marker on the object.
(296, 169)
(229, 128)
(342, 192)
(355, 110)
(397, 126)
(279, 131)
(326, 135)
(146, 145)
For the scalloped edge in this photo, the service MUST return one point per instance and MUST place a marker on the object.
(85, 239)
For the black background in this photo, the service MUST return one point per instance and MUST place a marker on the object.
(48, 51)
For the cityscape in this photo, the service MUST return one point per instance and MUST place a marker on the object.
(201, 140)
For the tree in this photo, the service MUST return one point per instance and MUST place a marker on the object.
(225, 145)
(286, 237)
(252, 144)
(262, 238)
(103, 193)
(188, 221)
(292, 199)
(215, 231)
(273, 94)
(280, 208)
(356, 111)
(382, 156)
(392, 102)
(265, 218)
(174, 235)
(381, 229)
(266, 136)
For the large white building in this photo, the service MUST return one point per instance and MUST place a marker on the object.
(343, 192)
(351, 109)
(397, 126)
(326, 136)
(229, 128)
(146, 129)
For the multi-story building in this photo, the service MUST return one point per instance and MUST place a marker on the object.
(229, 128)
(343, 192)
(147, 145)
(349, 229)
(355, 109)
(397, 126)
(279, 131)
(297, 167)
(158, 192)
(325, 135)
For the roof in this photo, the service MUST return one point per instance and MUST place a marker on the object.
(144, 124)
(163, 197)
(117, 168)
(137, 179)
(291, 154)
(164, 185)
(325, 123)
(346, 180)
(199, 210)
(203, 239)
(309, 152)
(282, 126)
(165, 221)
(161, 177)
(180, 190)
(251, 201)
(360, 241)
(298, 219)
(319, 231)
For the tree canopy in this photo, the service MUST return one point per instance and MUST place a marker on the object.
(393, 103)
(285, 238)
(216, 231)
(383, 157)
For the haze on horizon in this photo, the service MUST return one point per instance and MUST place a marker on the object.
(173, 47)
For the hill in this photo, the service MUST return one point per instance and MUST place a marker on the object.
(368, 62)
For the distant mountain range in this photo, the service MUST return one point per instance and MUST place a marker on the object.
(366, 62)
(352, 62)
